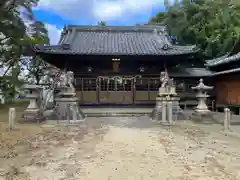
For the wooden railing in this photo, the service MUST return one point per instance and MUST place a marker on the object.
(129, 91)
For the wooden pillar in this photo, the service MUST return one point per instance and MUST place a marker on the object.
(97, 89)
(148, 81)
(134, 90)
(82, 89)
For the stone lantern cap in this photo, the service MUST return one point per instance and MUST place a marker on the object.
(202, 86)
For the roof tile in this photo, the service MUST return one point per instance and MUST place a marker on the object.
(138, 40)
(223, 60)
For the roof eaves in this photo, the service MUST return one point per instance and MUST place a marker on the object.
(61, 50)
(227, 72)
(222, 60)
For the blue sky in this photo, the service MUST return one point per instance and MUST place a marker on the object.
(56, 13)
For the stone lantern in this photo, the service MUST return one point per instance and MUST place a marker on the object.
(202, 111)
(202, 96)
(32, 112)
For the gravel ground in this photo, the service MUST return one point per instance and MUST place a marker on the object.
(132, 148)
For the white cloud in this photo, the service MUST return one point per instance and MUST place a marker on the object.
(99, 9)
(53, 33)
(110, 10)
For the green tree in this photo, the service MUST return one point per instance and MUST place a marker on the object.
(101, 23)
(159, 18)
(214, 26)
(17, 23)
(34, 65)
(20, 31)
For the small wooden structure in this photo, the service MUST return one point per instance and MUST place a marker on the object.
(122, 64)
(227, 80)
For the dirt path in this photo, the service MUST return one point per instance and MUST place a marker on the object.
(127, 148)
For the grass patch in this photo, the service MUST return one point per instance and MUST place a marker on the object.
(22, 131)
(19, 104)
(16, 103)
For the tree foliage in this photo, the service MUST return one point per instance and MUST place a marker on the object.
(19, 32)
(214, 26)
(101, 23)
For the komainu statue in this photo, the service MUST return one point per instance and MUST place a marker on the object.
(164, 78)
(63, 81)
(70, 80)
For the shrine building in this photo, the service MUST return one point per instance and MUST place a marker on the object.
(122, 64)
(226, 78)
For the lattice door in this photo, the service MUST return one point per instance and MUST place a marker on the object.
(115, 90)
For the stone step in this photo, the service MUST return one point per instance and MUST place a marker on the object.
(107, 112)
(115, 114)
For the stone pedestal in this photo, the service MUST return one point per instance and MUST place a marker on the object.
(167, 103)
(32, 112)
(67, 106)
(177, 112)
(157, 111)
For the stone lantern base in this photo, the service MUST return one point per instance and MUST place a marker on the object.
(33, 115)
(202, 116)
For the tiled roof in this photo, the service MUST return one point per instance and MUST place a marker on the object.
(223, 60)
(116, 40)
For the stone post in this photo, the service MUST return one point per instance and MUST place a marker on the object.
(227, 119)
(164, 112)
(11, 118)
(170, 113)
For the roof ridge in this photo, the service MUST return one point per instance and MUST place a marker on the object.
(144, 28)
(162, 40)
